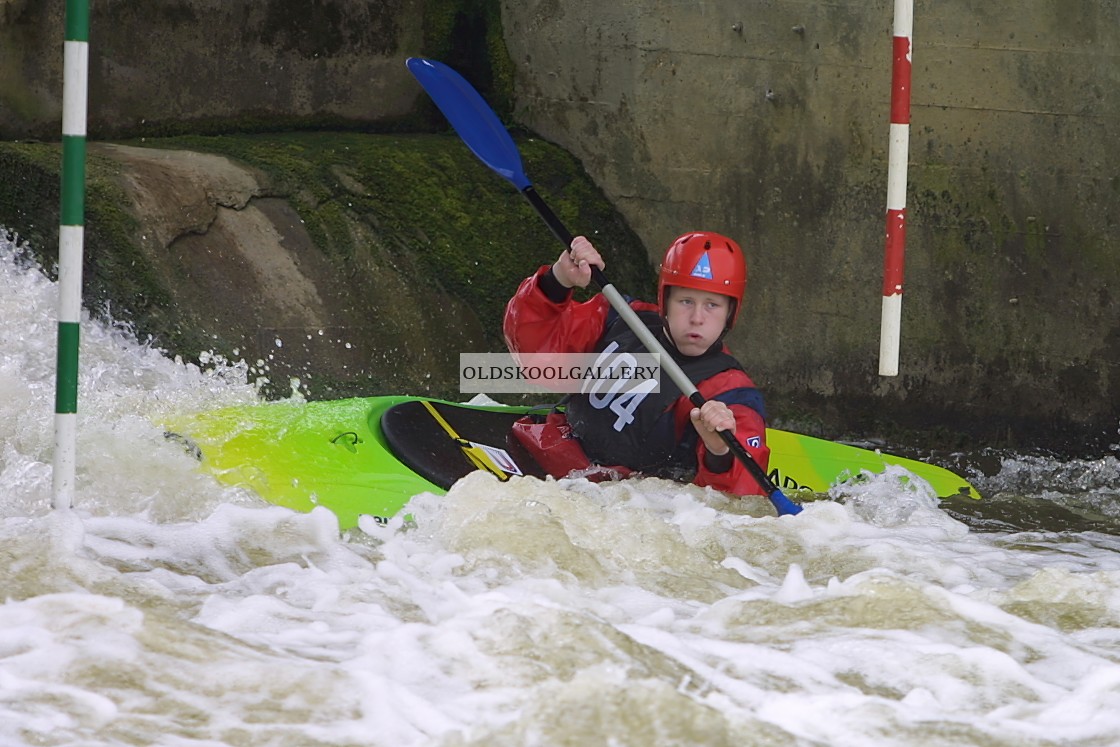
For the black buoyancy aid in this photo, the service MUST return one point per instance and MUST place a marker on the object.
(636, 429)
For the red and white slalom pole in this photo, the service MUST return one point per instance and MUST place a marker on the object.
(893, 260)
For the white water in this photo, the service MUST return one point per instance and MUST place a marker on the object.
(166, 609)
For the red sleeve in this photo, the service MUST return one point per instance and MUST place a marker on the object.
(750, 429)
(535, 324)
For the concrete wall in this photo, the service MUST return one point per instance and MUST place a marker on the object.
(158, 65)
(768, 120)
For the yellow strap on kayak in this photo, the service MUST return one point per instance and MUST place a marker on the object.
(477, 456)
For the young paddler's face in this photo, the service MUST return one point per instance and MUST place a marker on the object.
(696, 318)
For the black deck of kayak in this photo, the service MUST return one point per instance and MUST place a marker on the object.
(423, 445)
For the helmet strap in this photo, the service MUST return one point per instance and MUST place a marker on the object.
(670, 342)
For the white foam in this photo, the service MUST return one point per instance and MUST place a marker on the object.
(167, 609)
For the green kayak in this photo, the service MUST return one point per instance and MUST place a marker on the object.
(368, 456)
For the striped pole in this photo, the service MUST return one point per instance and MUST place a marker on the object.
(891, 330)
(71, 239)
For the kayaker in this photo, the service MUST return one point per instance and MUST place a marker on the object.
(702, 280)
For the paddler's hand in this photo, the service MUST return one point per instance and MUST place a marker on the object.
(573, 268)
(709, 420)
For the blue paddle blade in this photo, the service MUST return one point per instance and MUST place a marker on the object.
(784, 506)
(473, 119)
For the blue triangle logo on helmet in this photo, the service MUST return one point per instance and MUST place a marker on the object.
(703, 268)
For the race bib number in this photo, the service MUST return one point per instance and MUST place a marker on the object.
(613, 391)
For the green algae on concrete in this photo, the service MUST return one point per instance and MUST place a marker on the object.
(421, 204)
(466, 229)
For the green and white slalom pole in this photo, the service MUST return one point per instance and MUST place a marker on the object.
(71, 241)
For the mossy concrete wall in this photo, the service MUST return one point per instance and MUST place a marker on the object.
(767, 121)
(354, 263)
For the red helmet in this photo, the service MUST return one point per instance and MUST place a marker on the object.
(707, 262)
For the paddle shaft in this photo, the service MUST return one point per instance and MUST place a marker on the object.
(653, 345)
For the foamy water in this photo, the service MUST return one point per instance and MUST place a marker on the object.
(166, 609)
